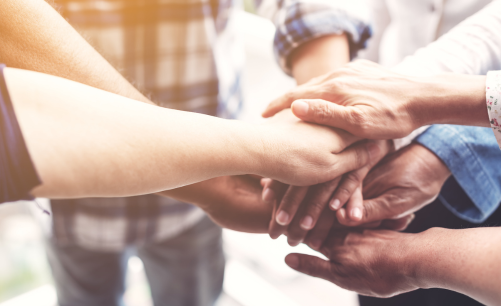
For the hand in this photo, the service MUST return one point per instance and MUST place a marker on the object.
(299, 208)
(232, 202)
(401, 184)
(373, 263)
(304, 154)
(367, 97)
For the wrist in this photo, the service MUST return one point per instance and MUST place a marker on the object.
(423, 256)
(319, 56)
(451, 99)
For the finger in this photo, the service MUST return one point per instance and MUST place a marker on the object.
(272, 189)
(398, 224)
(380, 208)
(354, 157)
(265, 182)
(306, 218)
(310, 265)
(316, 237)
(326, 113)
(286, 100)
(287, 210)
(355, 206)
(350, 182)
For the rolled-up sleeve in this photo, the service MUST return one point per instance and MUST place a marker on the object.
(298, 22)
(17, 171)
(472, 155)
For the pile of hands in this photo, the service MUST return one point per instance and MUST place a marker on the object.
(355, 219)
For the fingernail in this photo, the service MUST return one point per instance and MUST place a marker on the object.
(293, 243)
(300, 108)
(292, 261)
(307, 223)
(373, 150)
(341, 213)
(315, 244)
(268, 195)
(356, 214)
(282, 218)
(335, 204)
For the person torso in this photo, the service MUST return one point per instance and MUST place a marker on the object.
(403, 26)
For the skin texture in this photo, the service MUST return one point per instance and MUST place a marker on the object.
(386, 263)
(297, 210)
(295, 204)
(35, 37)
(232, 202)
(96, 123)
(401, 184)
(363, 97)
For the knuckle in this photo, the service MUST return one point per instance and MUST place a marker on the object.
(353, 179)
(323, 112)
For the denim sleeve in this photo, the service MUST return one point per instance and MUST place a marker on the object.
(299, 21)
(472, 155)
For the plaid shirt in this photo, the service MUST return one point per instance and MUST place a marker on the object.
(184, 54)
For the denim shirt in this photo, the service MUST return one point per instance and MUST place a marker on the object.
(473, 192)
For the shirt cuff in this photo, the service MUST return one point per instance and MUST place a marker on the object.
(493, 100)
(303, 22)
(471, 193)
(17, 172)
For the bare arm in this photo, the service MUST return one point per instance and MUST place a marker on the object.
(387, 263)
(88, 142)
(35, 37)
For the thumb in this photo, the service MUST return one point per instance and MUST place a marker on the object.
(325, 113)
(310, 265)
(376, 209)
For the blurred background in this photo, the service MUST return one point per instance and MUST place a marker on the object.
(256, 274)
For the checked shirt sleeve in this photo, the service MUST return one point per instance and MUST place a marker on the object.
(493, 100)
(299, 21)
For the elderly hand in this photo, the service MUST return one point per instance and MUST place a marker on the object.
(373, 102)
(401, 184)
(373, 263)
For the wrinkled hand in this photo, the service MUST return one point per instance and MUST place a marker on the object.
(373, 263)
(401, 184)
(361, 98)
(303, 154)
(298, 209)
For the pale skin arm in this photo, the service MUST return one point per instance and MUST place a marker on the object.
(386, 263)
(35, 37)
(86, 142)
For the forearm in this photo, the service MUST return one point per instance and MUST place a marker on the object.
(465, 261)
(35, 37)
(88, 142)
(449, 99)
(319, 56)
(233, 202)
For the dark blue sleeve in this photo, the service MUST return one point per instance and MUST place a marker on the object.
(17, 172)
(472, 155)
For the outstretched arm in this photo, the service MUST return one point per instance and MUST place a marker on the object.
(87, 142)
(35, 37)
(387, 263)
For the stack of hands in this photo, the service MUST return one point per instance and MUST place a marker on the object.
(354, 219)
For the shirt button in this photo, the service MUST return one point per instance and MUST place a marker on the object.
(432, 7)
